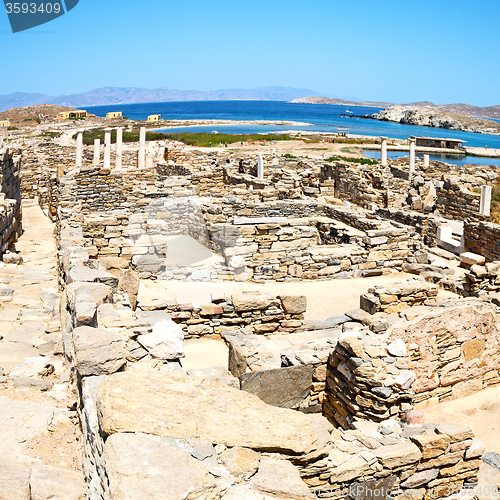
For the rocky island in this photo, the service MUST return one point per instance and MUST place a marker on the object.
(439, 119)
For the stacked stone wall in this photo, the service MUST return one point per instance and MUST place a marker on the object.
(10, 198)
(482, 238)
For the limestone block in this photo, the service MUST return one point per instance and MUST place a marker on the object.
(283, 387)
(97, 351)
(251, 302)
(141, 466)
(178, 406)
(294, 304)
(279, 478)
(50, 483)
(397, 455)
(165, 341)
(241, 462)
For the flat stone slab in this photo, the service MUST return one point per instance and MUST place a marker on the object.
(177, 406)
(142, 466)
(284, 387)
(14, 353)
(242, 221)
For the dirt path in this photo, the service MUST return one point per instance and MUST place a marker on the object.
(40, 432)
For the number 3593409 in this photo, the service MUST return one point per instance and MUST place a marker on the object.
(33, 8)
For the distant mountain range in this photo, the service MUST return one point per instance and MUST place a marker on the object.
(459, 108)
(133, 95)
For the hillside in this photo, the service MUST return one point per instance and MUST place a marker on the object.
(458, 108)
(134, 95)
(332, 100)
(436, 118)
(19, 115)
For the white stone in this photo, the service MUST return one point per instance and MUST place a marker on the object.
(165, 341)
(79, 149)
(471, 259)
(142, 148)
(426, 160)
(119, 148)
(476, 449)
(107, 148)
(97, 151)
(485, 203)
(383, 151)
(412, 157)
(33, 367)
(397, 348)
(260, 167)
(405, 379)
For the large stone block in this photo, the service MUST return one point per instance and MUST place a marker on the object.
(283, 387)
(177, 406)
(97, 351)
(141, 466)
(251, 302)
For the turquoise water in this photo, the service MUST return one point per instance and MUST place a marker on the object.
(446, 158)
(324, 117)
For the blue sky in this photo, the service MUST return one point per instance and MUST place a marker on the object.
(394, 50)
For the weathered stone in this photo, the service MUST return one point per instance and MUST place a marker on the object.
(280, 478)
(352, 468)
(469, 259)
(476, 449)
(420, 478)
(283, 387)
(49, 483)
(397, 348)
(99, 292)
(185, 407)
(97, 351)
(14, 482)
(432, 445)
(372, 489)
(294, 304)
(129, 283)
(455, 431)
(237, 363)
(398, 455)
(473, 349)
(241, 462)
(250, 302)
(82, 273)
(140, 466)
(165, 342)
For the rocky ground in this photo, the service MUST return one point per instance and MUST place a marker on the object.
(40, 443)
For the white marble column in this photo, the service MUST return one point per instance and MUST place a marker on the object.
(142, 148)
(260, 167)
(485, 203)
(412, 157)
(107, 148)
(79, 149)
(97, 151)
(119, 148)
(383, 150)
(426, 160)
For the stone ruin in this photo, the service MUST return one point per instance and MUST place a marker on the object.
(306, 409)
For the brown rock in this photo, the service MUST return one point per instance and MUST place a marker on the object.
(294, 304)
(431, 445)
(241, 462)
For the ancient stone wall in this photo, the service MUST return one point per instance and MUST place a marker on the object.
(454, 201)
(395, 298)
(10, 198)
(452, 352)
(482, 238)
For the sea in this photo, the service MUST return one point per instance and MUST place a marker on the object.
(322, 117)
